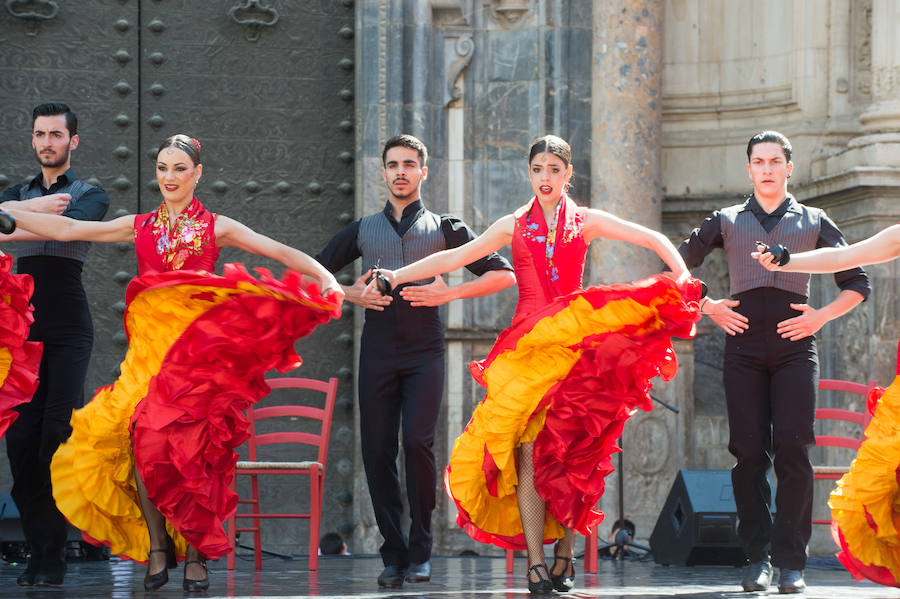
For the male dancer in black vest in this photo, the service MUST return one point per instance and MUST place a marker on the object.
(63, 323)
(771, 366)
(401, 361)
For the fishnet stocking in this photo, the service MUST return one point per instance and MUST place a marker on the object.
(531, 507)
(564, 551)
(156, 526)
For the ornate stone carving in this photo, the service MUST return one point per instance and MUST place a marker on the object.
(510, 13)
(648, 452)
(458, 58)
(862, 49)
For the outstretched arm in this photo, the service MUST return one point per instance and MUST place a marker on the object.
(497, 235)
(603, 224)
(881, 247)
(230, 232)
(439, 293)
(61, 228)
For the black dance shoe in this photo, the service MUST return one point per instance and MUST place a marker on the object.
(542, 585)
(757, 577)
(391, 577)
(26, 578)
(194, 586)
(791, 581)
(155, 581)
(52, 570)
(419, 572)
(563, 582)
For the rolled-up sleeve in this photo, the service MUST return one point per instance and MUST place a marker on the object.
(854, 279)
(92, 205)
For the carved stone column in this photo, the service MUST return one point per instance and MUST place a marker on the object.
(626, 120)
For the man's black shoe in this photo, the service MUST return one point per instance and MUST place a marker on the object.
(49, 580)
(26, 578)
(419, 572)
(757, 576)
(391, 577)
(791, 581)
(50, 575)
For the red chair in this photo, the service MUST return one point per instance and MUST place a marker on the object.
(860, 419)
(296, 416)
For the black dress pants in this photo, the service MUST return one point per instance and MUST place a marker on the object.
(770, 389)
(401, 385)
(63, 325)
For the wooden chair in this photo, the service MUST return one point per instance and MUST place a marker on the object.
(297, 416)
(860, 419)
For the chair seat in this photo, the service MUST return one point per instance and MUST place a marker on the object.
(277, 465)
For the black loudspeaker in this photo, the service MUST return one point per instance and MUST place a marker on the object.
(698, 523)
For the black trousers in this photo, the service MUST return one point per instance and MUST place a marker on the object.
(401, 384)
(63, 325)
(770, 389)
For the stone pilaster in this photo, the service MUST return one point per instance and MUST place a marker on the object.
(626, 120)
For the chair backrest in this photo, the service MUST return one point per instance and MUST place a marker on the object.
(858, 418)
(296, 412)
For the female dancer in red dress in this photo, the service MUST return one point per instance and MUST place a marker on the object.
(865, 504)
(564, 378)
(157, 446)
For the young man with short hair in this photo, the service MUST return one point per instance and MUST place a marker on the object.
(771, 368)
(63, 324)
(401, 363)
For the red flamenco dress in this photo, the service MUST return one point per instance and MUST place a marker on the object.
(19, 359)
(865, 504)
(574, 365)
(199, 345)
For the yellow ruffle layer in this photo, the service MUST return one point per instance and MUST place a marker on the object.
(92, 473)
(871, 486)
(5, 363)
(517, 381)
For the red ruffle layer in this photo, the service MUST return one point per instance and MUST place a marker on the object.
(186, 428)
(18, 379)
(587, 409)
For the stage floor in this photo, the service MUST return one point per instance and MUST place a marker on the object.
(452, 577)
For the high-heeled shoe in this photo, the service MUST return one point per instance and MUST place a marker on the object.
(542, 585)
(155, 581)
(562, 582)
(193, 586)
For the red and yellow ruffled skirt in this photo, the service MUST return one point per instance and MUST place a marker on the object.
(20, 360)
(199, 345)
(865, 505)
(566, 378)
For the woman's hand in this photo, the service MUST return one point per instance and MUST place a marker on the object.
(372, 285)
(331, 286)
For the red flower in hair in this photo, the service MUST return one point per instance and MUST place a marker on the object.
(196, 143)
